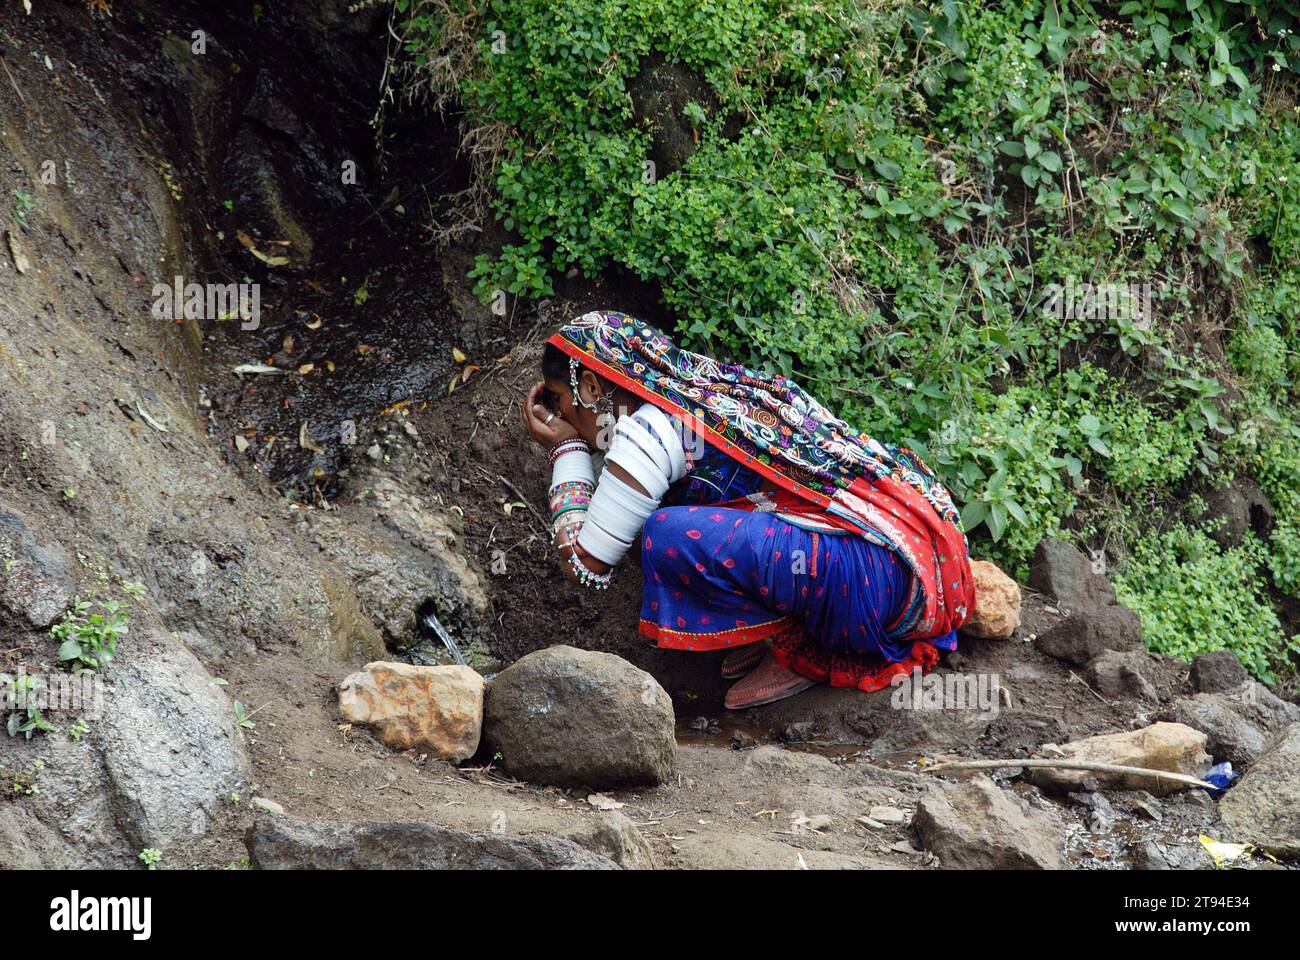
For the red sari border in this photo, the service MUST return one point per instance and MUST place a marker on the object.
(671, 639)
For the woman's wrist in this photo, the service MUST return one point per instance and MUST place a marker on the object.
(569, 445)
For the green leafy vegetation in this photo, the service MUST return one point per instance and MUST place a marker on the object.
(87, 641)
(151, 857)
(1052, 246)
(24, 784)
(26, 717)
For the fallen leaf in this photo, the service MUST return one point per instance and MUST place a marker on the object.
(457, 355)
(21, 262)
(306, 368)
(251, 247)
(241, 443)
(306, 442)
(468, 372)
(256, 368)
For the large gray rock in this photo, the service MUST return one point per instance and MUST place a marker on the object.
(1264, 808)
(572, 717)
(172, 749)
(1237, 720)
(36, 576)
(289, 843)
(1094, 621)
(162, 753)
(976, 825)
(1063, 572)
(1229, 735)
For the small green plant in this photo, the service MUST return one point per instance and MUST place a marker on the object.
(88, 641)
(24, 785)
(150, 856)
(243, 717)
(78, 730)
(23, 205)
(26, 718)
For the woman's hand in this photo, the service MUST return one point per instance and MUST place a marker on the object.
(544, 426)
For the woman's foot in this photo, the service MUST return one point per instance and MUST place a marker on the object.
(739, 662)
(769, 683)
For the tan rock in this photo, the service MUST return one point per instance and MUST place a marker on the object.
(997, 603)
(1174, 747)
(438, 710)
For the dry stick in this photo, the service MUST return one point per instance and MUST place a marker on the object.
(1070, 765)
(1088, 687)
(546, 527)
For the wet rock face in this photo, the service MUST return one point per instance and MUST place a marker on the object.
(979, 826)
(997, 603)
(36, 577)
(161, 754)
(286, 843)
(1264, 808)
(573, 718)
(400, 551)
(1095, 622)
(438, 710)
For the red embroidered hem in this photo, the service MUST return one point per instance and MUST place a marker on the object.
(795, 651)
(671, 639)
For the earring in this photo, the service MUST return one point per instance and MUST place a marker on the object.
(602, 406)
(605, 418)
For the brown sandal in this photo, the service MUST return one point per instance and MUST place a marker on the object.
(769, 683)
(742, 660)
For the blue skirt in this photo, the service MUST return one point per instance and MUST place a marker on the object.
(718, 577)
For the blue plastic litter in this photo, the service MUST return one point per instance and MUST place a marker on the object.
(1221, 775)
